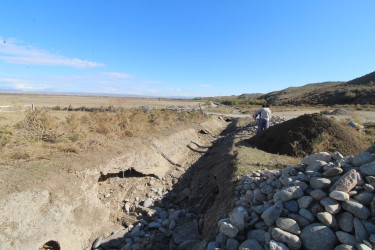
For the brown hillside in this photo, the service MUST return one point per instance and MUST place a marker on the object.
(309, 134)
(360, 90)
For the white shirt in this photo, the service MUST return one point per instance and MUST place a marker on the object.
(265, 113)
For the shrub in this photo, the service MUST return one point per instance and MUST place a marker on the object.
(40, 125)
(6, 134)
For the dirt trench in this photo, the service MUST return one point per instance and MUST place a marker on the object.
(199, 183)
(188, 168)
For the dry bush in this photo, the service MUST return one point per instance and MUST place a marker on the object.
(6, 134)
(39, 125)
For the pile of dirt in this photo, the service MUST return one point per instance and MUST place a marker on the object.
(308, 134)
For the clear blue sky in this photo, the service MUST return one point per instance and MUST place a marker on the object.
(183, 47)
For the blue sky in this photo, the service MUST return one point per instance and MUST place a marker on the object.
(183, 48)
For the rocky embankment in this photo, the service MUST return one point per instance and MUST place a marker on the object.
(326, 202)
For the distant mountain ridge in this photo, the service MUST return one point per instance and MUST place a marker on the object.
(360, 90)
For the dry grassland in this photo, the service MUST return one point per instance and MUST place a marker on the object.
(44, 133)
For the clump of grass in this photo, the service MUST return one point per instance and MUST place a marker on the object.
(6, 134)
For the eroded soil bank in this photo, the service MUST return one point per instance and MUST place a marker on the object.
(86, 199)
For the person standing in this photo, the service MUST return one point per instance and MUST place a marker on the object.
(264, 118)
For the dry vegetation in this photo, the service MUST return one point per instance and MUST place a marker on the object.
(41, 134)
(251, 159)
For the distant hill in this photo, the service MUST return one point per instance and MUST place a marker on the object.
(360, 90)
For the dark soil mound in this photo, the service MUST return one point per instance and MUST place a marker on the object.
(309, 134)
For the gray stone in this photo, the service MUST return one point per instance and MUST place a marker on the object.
(257, 235)
(322, 156)
(328, 166)
(330, 205)
(369, 188)
(147, 202)
(163, 215)
(221, 239)
(344, 247)
(361, 246)
(320, 183)
(359, 230)
(292, 206)
(328, 220)
(250, 244)
(154, 225)
(232, 244)
(356, 208)
(333, 172)
(314, 174)
(363, 158)
(345, 222)
(97, 243)
(115, 240)
(339, 195)
(237, 219)
(304, 201)
(136, 231)
(364, 197)
(172, 225)
(346, 238)
(261, 225)
(291, 240)
(267, 236)
(274, 245)
(228, 229)
(318, 194)
(260, 208)
(313, 235)
(301, 184)
(346, 183)
(288, 225)
(316, 166)
(191, 245)
(288, 193)
(370, 180)
(259, 196)
(267, 189)
(336, 156)
(372, 238)
(272, 213)
(302, 222)
(370, 227)
(316, 208)
(306, 214)
(360, 179)
(371, 149)
(175, 215)
(213, 245)
(187, 231)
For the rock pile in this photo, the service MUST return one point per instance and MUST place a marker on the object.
(326, 202)
(166, 224)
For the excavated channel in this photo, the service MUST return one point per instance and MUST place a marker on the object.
(157, 192)
(179, 209)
